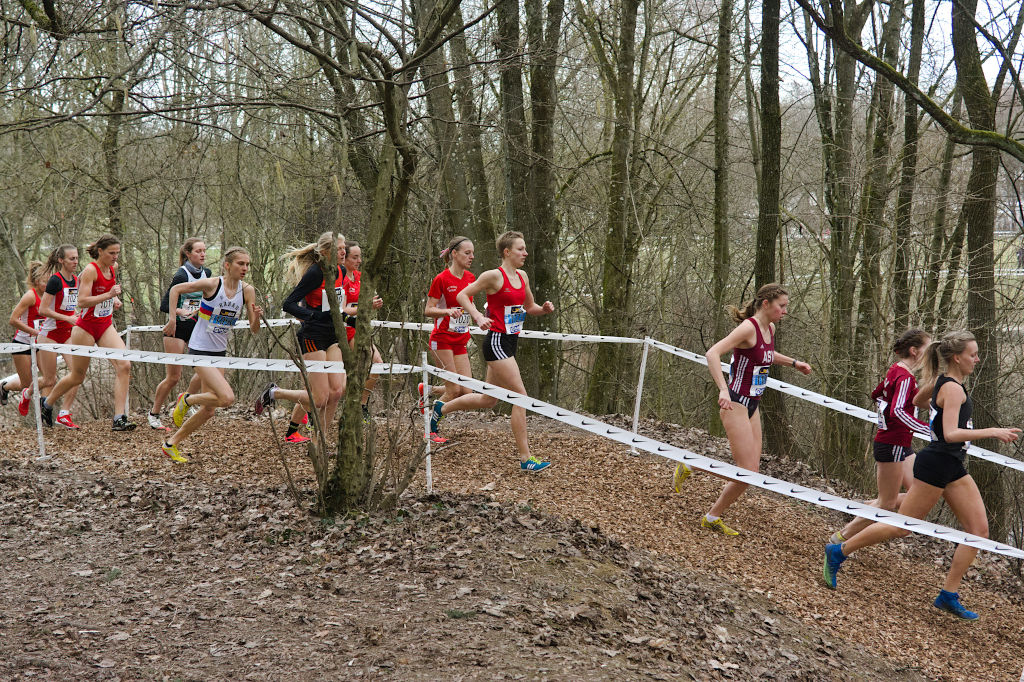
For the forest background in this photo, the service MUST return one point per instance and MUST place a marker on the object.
(662, 158)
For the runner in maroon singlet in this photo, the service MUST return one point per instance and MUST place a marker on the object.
(25, 319)
(752, 344)
(897, 422)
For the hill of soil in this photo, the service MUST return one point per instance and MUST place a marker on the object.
(120, 565)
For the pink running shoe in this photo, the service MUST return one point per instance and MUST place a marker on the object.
(65, 421)
(23, 403)
(296, 438)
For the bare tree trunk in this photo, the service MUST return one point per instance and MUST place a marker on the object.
(979, 207)
(720, 272)
(908, 176)
(604, 388)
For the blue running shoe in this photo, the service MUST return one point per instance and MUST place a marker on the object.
(533, 466)
(834, 558)
(950, 601)
(435, 415)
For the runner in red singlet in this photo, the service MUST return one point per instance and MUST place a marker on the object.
(98, 297)
(509, 301)
(354, 259)
(25, 319)
(59, 303)
(752, 344)
(450, 335)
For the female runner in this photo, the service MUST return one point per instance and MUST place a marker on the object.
(939, 468)
(98, 297)
(223, 300)
(317, 338)
(353, 259)
(509, 301)
(191, 257)
(25, 319)
(752, 344)
(58, 309)
(450, 335)
(897, 422)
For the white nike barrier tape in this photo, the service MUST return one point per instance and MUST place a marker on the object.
(226, 362)
(840, 406)
(729, 471)
(640, 389)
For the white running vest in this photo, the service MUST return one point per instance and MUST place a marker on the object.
(216, 317)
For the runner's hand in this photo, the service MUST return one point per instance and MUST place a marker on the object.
(724, 400)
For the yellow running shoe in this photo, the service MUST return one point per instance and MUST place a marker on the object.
(682, 473)
(172, 452)
(718, 526)
(180, 408)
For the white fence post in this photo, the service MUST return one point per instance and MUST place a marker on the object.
(640, 390)
(426, 421)
(128, 345)
(35, 400)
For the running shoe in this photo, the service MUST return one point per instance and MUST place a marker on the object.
(296, 438)
(172, 452)
(434, 438)
(834, 558)
(533, 465)
(436, 416)
(180, 408)
(718, 526)
(65, 421)
(45, 413)
(25, 401)
(366, 413)
(836, 538)
(421, 404)
(265, 400)
(154, 422)
(682, 473)
(950, 602)
(4, 393)
(122, 424)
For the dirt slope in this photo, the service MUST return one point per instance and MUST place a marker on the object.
(120, 566)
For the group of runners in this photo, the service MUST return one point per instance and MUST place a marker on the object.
(61, 306)
(936, 472)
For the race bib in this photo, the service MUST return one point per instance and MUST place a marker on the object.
(70, 300)
(191, 306)
(881, 407)
(223, 322)
(759, 380)
(325, 304)
(515, 315)
(104, 308)
(460, 324)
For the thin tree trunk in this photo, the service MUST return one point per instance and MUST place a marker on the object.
(604, 389)
(937, 248)
(980, 209)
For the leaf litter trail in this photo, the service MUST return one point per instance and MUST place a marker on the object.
(217, 569)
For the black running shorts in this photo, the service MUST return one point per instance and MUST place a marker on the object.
(887, 452)
(498, 346)
(938, 468)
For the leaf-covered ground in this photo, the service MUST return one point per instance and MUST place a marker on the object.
(120, 565)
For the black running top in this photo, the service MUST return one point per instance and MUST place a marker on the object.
(939, 444)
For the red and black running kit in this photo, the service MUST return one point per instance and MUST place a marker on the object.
(97, 318)
(65, 300)
(352, 287)
(897, 416)
(308, 303)
(507, 310)
(450, 333)
(32, 318)
(940, 463)
(748, 370)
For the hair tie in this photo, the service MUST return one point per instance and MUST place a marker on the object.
(443, 253)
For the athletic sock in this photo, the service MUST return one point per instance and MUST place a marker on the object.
(710, 518)
(47, 404)
(292, 428)
(63, 413)
(118, 416)
(272, 392)
(154, 414)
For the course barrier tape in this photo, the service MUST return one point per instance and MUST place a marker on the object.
(226, 362)
(839, 405)
(730, 471)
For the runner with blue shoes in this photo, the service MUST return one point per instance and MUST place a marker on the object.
(939, 468)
